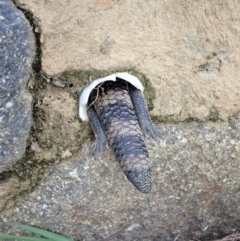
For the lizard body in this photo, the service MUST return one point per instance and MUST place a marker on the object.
(119, 117)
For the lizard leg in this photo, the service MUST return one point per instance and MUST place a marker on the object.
(98, 131)
(141, 110)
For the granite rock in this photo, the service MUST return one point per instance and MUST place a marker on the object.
(195, 191)
(16, 57)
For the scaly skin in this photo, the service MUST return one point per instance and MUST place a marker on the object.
(114, 114)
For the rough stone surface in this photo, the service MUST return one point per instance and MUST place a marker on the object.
(16, 56)
(9, 189)
(189, 49)
(56, 135)
(59, 132)
(190, 52)
(195, 190)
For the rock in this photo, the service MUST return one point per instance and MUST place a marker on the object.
(59, 133)
(195, 190)
(188, 49)
(56, 135)
(191, 58)
(10, 189)
(16, 57)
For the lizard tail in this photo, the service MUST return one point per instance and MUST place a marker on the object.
(119, 121)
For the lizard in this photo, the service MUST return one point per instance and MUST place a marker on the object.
(119, 117)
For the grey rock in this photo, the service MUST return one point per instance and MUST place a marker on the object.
(195, 190)
(16, 57)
